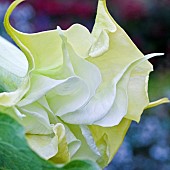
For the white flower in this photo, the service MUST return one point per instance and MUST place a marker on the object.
(84, 90)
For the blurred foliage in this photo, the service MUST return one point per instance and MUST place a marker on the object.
(147, 145)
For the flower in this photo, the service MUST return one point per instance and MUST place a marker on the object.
(14, 82)
(83, 88)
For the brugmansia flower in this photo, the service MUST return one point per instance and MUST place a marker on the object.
(75, 92)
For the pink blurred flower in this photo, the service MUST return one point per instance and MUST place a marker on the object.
(53, 7)
(131, 9)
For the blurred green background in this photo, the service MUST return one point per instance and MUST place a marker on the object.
(147, 145)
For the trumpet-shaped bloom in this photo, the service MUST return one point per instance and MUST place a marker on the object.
(79, 91)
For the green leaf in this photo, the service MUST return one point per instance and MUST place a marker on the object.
(15, 153)
(81, 165)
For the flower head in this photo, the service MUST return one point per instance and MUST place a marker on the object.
(84, 89)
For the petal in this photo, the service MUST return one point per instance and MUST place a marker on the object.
(14, 81)
(62, 95)
(103, 147)
(121, 105)
(9, 99)
(138, 90)
(73, 143)
(16, 34)
(108, 140)
(44, 145)
(103, 20)
(51, 116)
(12, 60)
(40, 48)
(89, 139)
(80, 39)
(36, 119)
(81, 67)
(68, 97)
(105, 108)
(48, 147)
(121, 50)
(101, 45)
(40, 85)
(63, 154)
(85, 152)
(94, 110)
(44, 48)
(75, 94)
(103, 25)
(121, 53)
